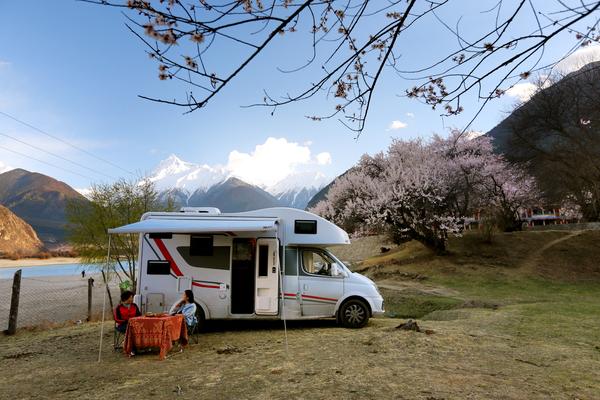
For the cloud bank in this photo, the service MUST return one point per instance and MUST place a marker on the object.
(273, 161)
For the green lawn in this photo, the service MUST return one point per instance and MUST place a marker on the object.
(509, 287)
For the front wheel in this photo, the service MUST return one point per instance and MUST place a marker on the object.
(354, 314)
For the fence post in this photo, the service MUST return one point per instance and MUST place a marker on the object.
(90, 285)
(14, 304)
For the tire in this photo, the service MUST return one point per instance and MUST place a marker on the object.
(354, 313)
(201, 318)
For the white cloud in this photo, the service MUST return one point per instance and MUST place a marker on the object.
(395, 125)
(4, 63)
(579, 58)
(410, 115)
(522, 91)
(272, 161)
(85, 192)
(323, 158)
(4, 167)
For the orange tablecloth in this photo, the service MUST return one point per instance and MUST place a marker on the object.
(160, 331)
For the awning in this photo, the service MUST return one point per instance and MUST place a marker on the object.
(196, 225)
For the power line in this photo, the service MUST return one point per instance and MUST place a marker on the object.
(56, 155)
(65, 142)
(45, 162)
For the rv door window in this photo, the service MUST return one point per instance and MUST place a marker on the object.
(201, 246)
(315, 262)
(263, 260)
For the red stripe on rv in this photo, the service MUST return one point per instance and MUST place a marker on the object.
(318, 298)
(205, 286)
(167, 256)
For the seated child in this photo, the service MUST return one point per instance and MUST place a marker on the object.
(127, 309)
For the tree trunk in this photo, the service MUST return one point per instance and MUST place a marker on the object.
(438, 245)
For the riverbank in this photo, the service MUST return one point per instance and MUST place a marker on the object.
(34, 262)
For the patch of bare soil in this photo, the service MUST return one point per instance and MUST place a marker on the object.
(249, 360)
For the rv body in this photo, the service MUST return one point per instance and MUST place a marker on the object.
(270, 264)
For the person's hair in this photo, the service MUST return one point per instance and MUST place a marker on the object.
(126, 294)
(190, 296)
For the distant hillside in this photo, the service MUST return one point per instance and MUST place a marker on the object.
(566, 95)
(555, 134)
(38, 199)
(565, 256)
(233, 195)
(17, 237)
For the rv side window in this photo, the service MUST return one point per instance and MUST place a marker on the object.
(308, 227)
(263, 260)
(201, 246)
(158, 267)
(315, 262)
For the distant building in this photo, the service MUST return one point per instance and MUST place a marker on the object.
(533, 216)
(545, 216)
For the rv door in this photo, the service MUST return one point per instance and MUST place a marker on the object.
(267, 277)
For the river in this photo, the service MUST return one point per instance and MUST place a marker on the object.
(45, 270)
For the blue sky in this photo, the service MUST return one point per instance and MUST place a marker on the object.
(74, 70)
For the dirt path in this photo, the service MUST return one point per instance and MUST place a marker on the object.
(531, 261)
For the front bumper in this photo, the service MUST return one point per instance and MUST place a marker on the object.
(376, 306)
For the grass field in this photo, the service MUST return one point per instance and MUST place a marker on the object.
(516, 319)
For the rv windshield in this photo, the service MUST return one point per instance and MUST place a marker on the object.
(340, 264)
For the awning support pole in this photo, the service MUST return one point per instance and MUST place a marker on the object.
(283, 305)
(281, 271)
(104, 303)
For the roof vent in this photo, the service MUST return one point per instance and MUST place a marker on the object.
(200, 210)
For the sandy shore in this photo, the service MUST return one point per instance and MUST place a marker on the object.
(32, 262)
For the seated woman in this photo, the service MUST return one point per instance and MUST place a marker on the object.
(127, 309)
(187, 307)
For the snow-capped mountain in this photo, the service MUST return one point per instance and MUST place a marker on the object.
(174, 173)
(187, 184)
(297, 189)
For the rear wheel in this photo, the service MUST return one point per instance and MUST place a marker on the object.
(201, 318)
(354, 313)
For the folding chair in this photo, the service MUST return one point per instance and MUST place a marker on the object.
(118, 336)
(194, 330)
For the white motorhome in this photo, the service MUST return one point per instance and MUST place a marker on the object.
(269, 263)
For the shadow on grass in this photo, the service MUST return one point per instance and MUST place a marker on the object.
(213, 326)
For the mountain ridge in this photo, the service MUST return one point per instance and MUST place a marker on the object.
(17, 237)
(39, 200)
(190, 184)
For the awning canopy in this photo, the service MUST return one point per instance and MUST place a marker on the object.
(197, 225)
